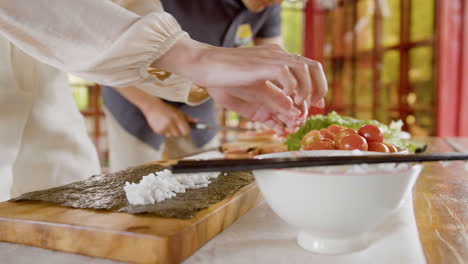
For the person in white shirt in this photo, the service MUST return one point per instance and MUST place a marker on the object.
(119, 43)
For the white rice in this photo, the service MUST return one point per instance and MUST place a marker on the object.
(164, 185)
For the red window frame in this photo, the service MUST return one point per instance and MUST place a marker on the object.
(452, 99)
(95, 111)
(450, 51)
(463, 97)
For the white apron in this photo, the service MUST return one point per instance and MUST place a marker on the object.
(43, 139)
(43, 142)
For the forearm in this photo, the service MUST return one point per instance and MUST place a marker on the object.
(97, 40)
(183, 57)
(139, 98)
(265, 41)
(194, 52)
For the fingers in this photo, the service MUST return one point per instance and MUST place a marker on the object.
(320, 88)
(258, 83)
(191, 119)
(289, 113)
(318, 85)
(257, 112)
(300, 120)
(168, 132)
(275, 125)
(183, 128)
(271, 97)
(240, 106)
(287, 80)
(177, 127)
(320, 103)
(300, 76)
(304, 108)
(304, 82)
(262, 114)
(172, 131)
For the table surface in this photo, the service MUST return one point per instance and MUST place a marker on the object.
(440, 201)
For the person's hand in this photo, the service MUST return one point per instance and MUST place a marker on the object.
(167, 120)
(256, 82)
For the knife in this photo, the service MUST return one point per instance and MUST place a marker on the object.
(187, 166)
(201, 126)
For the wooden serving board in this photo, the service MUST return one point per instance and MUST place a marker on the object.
(120, 236)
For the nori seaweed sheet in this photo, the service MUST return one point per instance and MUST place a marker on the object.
(106, 192)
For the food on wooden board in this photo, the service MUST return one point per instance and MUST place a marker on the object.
(252, 143)
(106, 192)
(162, 185)
(259, 135)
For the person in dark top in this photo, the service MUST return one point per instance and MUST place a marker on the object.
(142, 127)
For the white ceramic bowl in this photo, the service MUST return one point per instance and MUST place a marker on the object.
(334, 210)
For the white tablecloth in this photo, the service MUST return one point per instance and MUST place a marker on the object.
(262, 237)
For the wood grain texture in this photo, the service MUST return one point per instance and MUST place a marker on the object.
(120, 236)
(440, 200)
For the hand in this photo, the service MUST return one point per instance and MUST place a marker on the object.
(256, 82)
(166, 119)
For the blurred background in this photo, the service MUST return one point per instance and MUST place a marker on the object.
(384, 60)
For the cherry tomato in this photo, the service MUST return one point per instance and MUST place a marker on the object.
(391, 148)
(378, 147)
(327, 134)
(342, 133)
(310, 137)
(353, 141)
(335, 128)
(321, 144)
(371, 133)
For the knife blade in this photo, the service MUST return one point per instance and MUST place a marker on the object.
(201, 126)
(188, 166)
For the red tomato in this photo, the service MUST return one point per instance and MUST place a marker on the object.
(378, 147)
(342, 133)
(321, 144)
(353, 141)
(371, 133)
(310, 137)
(327, 134)
(335, 128)
(391, 148)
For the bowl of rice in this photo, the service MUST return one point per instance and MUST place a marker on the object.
(334, 207)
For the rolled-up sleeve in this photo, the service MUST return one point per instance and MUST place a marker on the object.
(97, 40)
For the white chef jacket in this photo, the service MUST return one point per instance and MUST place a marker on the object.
(42, 134)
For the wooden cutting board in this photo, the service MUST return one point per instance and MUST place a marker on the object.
(120, 236)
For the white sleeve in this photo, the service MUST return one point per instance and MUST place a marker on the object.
(97, 40)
